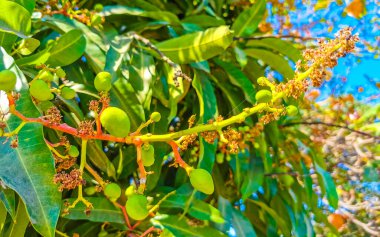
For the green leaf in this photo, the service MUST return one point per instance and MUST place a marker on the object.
(30, 177)
(284, 47)
(204, 21)
(125, 10)
(208, 110)
(115, 55)
(103, 211)
(198, 209)
(14, 19)
(240, 223)
(247, 21)
(3, 217)
(238, 78)
(36, 59)
(196, 47)
(18, 226)
(7, 196)
(27, 4)
(275, 61)
(180, 227)
(328, 183)
(280, 222)
(254, 177)
(68, 49)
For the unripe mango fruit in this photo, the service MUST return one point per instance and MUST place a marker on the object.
(136, 207)
(115, 121)
(155, 116)
(67, 93)
(291, 110)
(98, 7)
(263, 96)
(60, 72)
(73, 151)
(147, 153)
(112, 191)
(202, 181)
(7, 80)
(46, 76)
(102, 81)
(40, 90)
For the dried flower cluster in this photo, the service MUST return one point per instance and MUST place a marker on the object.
(318, 61)
(69, 180)
(53, 115)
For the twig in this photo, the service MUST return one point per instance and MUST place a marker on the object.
(275, 37)
(178, 72)
(330, 125)
(362, 225)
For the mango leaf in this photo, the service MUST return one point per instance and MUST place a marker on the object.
(284, 47)
(328, 184)
(115, 55)
(27, 4)
(36, 59)
(240, 223)
(180, 227)
(208, 110)
(247, 21)
(18, 22)
(254, 177)
(275, 61)
(103, 211)
(204, 21)
(68, 49)
(196, 47)
(3, 216)
(7, 196)
(18, 226)
(198, 209)
(30, 178)
(126, 10)
(280, 222)
(238, 78)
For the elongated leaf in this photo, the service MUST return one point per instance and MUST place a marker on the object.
(254, 177)
(328, 183)
(279, 45)
(248, 21)
(275, 61)
(204, 20)
(30, 177)
(103, 211)
(238, 78)
(3, 216)
(14, 18)
(27, 4)
(180, 227)
(36, 59)
(68, 49)
(208, 110)
(18, 227)
(197, 46)
(198, 209)
(7, 196)
(115, 55)
(280, 222)
(240, 223)
(126, 10)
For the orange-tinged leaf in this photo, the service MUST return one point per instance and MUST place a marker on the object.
(356, 8)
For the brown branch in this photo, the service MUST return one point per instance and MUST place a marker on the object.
(330, 125)
(275, 37)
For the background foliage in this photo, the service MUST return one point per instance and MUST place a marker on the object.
(287, 177)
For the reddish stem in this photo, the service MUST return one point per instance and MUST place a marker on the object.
(138, 144)
(148, 231)
(126, 218)
(177, 156)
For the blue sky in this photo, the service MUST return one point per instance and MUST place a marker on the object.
(359, 70)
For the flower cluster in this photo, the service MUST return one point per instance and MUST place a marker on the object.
(69, 180)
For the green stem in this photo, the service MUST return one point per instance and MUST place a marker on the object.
(83, 155)
(188, 203)
(206, 127)
(120, 165)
